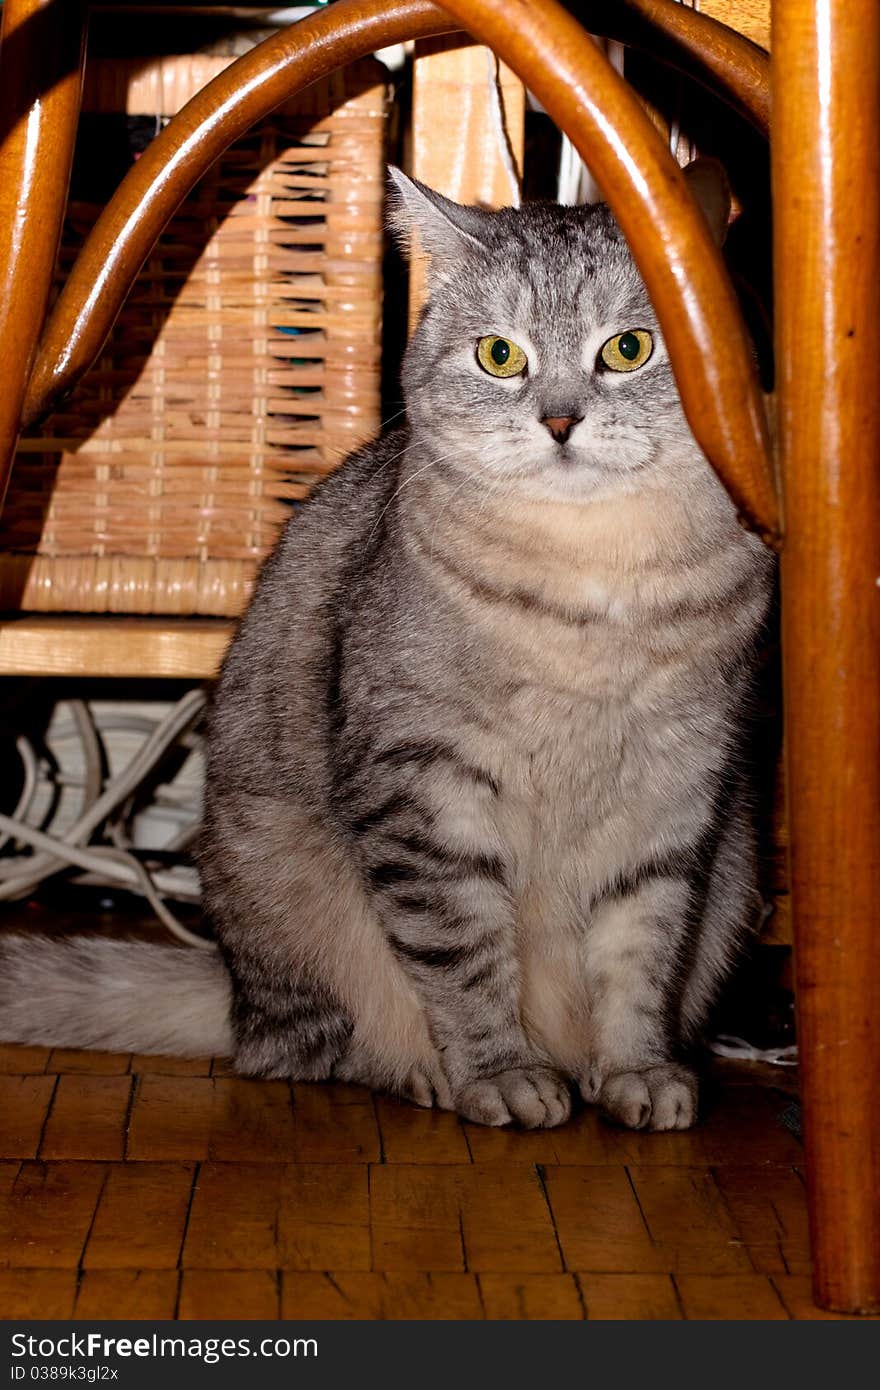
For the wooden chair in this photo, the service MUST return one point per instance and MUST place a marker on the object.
(814, 494)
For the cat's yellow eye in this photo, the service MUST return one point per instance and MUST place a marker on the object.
(627, 351)
(500, 357)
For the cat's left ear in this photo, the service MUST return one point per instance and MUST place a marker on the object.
(445, 229)
(710, 186)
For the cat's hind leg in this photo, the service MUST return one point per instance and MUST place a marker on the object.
(317, 991)
(730, 912)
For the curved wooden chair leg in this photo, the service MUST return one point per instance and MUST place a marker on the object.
(244, 93)
(42, 53)
(826, 187)
(826, 113)
(719, 58)
(670, 239)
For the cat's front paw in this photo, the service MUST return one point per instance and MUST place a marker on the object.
(663, 1097)
(423, 1084)
(534, 1097)
(427, 1086)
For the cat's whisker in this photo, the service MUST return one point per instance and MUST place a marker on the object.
(393, 459)
(391, 418)
(473, 477)
(432, 463)
(495, 486)
(407, 448)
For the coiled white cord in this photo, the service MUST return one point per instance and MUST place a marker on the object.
(104, 808)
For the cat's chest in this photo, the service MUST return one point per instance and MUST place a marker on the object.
(559, 736)
(576, 759)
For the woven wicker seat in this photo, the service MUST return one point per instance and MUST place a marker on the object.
(826, 184)
(243, 365)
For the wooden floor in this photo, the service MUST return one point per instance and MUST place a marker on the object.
(147, 1188)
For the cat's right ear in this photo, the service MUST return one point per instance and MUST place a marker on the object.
(711, 187)
(442, 229)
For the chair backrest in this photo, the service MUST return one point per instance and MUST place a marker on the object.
(556, 58)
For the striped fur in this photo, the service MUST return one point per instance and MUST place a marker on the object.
(477, 823)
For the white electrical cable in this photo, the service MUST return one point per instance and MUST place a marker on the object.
(31, 766)
(496, 108)
(116, 866)
(111, 722)
(150, 891)
(726, 1045)
(675, 131)
(122, 868)
(568, 181)
(576, 184)
(183, 715)
(183, 839)
(179, 883)
(91, 747)
(675, 123)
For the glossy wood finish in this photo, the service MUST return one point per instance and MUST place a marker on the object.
(713, 54)
(169, 167)
(748, 17)
(826, 177)
(828, 243)
(556, 58)
(668, 235)
(149, 1187)
(42, 52)
(66, 644)
(453, 140)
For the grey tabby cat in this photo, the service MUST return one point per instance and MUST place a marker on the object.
(476, 825)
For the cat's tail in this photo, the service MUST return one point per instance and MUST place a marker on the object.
(119, 996)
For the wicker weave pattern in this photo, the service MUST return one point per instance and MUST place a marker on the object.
(244, 366)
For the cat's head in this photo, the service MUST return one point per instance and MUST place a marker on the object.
(538, 358)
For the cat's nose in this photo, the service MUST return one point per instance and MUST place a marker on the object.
(561, 426)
